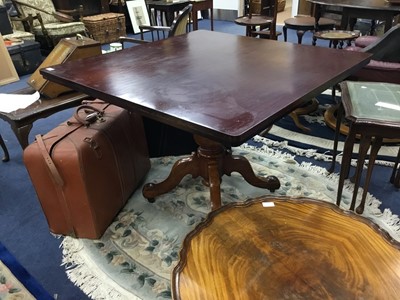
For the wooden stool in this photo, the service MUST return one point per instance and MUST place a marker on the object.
(282, 248)
(367, 106)
(303, 23)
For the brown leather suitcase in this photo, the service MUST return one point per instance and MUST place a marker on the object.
(85, 169)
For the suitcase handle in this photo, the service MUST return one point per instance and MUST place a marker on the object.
(91, 117)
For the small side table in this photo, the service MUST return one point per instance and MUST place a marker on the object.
(286, 249)
(305, 23)
(373, 110)
(251, 21)
(337, 37)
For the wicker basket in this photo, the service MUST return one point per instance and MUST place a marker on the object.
(106, 28)
(281, 5)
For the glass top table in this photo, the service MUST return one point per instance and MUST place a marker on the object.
(373, 110)
(374, 101)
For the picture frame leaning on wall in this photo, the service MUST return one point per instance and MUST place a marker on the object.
(138, 14)
(8, 73)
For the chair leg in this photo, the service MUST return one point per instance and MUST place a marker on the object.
(395, 179)
(6, 156)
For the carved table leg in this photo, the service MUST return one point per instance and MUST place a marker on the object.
(22, 133)
(365, 142)
(346, 161)
(372, 157)
(6, 156)
(211, 161)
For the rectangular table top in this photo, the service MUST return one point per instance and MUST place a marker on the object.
(224, 87)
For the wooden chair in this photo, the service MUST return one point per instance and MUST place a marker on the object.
(48, 25)
(268, 8)
(259, 15)
(179, 26)
(385, 63)
(17, 34)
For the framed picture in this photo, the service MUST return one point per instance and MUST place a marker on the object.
(8, 73)
(138, 14)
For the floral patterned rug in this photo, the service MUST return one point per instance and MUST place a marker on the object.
(16, 282)
(135, 257)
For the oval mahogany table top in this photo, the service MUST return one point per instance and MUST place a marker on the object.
(296, 249)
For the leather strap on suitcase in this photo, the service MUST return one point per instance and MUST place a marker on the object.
(58, 181)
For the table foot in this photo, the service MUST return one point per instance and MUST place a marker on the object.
(211, 161)
(236, 163)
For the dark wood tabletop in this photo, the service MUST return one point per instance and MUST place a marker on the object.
(365, 4)
(224, 87)
(293, 249)
(353, 9)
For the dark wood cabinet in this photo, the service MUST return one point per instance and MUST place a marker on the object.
(90, 7)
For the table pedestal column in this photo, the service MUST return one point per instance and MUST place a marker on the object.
(211, 161)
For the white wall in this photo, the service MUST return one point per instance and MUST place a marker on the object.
(295, 7)
(229, 5)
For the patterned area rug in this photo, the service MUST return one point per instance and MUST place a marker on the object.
(16, 282)
(135, 257)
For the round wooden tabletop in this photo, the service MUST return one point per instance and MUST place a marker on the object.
(339, 35)
(280, 248)
(255, 20)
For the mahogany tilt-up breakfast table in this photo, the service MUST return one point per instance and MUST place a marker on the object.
(222, 88)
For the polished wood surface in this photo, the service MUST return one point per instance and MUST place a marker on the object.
(298, 249)
(353, 9)
(222, 88)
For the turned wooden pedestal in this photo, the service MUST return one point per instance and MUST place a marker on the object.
(211, 161)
